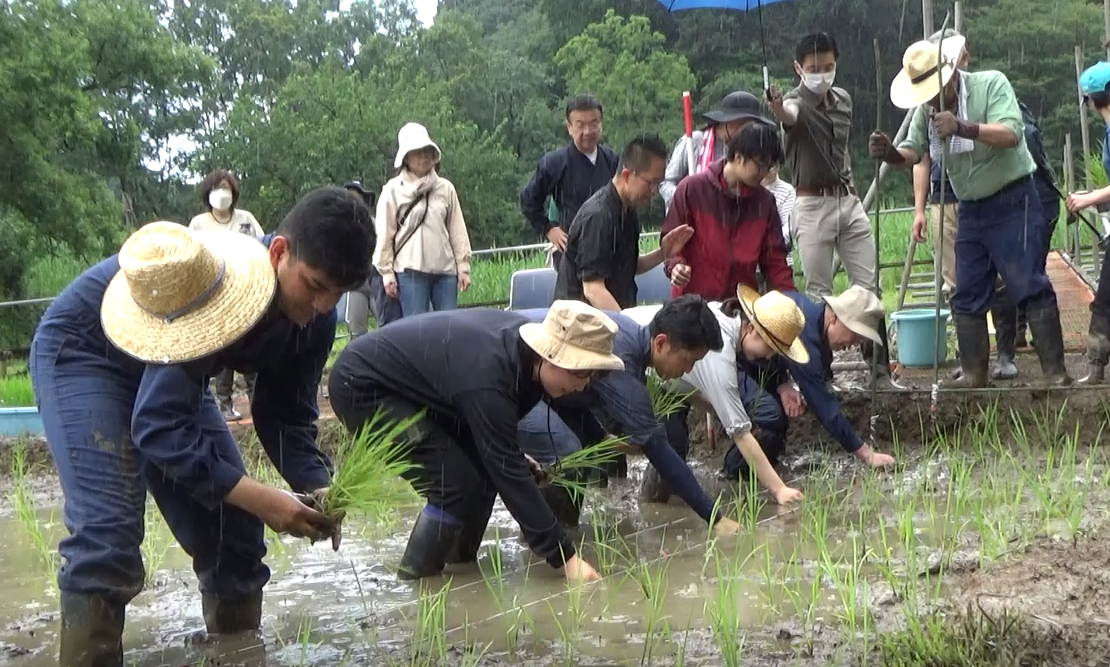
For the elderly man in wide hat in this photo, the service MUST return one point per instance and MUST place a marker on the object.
(1001, 222)
(120, 364)
(468, 377)
(736, 110)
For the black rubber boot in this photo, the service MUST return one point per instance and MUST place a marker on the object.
(653, 489)
(565, 504)
(464, 550)
(1004, 313)
(91, 631)
(881, 367)
(1044, 324)
(229, 617)
(1020, 341)
(975, 351)
(426, 553)
(1098, 349)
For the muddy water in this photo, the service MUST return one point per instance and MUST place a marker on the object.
(322, 607)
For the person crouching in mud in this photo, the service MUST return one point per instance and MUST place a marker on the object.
(756, 331)
(120, 364)
(681, 333)
(474, 373)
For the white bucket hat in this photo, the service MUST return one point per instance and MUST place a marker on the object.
(777, 319)
(860, 310)
(574, 336)
(918, 83)
(413, 137)
(181, 295)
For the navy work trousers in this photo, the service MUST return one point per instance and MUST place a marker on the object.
(86, 401)
(1003, 234)
(769, 424)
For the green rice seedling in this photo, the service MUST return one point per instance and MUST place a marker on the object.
(664, 400)
(571, 621)
(368, 469)
(495, 584)
(654, 587)
(723, 610)
(429, 646)
(587, 458)
(847, 581)
(156, 543)
(753, 503)
(608, 542)
(25, 510)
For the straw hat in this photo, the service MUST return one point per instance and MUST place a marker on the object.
(180, 295)
(778, 320)
(860, 310)
(574, 336)
(917, 83)
(413, 137)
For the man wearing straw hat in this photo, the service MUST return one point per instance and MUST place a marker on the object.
(679, 334)
(1001, 221)
(757, 330)
(120, 363)
(469, 376)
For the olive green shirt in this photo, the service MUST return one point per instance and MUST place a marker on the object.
(817, 143)
(984, 170)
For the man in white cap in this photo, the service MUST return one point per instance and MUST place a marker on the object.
(833, 324)
(472, 375)
(120, 362)
(1001, 221)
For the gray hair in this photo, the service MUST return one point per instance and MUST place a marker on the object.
(937, 36)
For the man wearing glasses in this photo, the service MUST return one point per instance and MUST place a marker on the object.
(735, 222)
(602, 257)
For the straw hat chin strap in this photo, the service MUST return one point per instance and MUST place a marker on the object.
(195, 303)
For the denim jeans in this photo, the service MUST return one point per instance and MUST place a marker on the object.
(86, 391)
(769, 424)
(1003, 234)
(422, 292)
(543, 435)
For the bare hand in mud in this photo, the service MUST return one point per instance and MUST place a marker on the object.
(787, 495)
(577, 569)
(726, 527)
(317, 501)
(792, 402)
(880, 460)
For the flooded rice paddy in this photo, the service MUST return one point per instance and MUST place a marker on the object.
(865, 554)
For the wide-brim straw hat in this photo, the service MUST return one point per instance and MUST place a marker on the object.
(413, 137)
(918, 82)
(181, 295)
(860, 310)
(778, 321)
(574, 336)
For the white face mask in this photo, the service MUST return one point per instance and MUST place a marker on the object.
(220, 199)
(819, 82)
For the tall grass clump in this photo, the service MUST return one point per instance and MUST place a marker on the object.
(16, 392)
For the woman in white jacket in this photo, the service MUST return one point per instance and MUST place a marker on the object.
(423, 251)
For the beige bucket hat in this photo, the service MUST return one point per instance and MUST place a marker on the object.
(860, 310)
(918, 83)
(413, 137)
(180, 295)
(778, 320)
(574, 336)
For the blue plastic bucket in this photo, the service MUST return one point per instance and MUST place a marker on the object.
(20, 421)
(916, 329)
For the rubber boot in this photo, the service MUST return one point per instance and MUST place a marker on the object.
(653, 489)
(1098, 349)
(881, 367)
(91, 632)
(1004, 313)
(1020, 341)
(426, 553)
(975, 351)
(229, 617)
(464, 550)
(1044, 324)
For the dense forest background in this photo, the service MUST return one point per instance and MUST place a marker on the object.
(110, 110)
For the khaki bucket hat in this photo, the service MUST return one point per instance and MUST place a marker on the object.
(574, 336)
(181, 295)
(778, 320)
(860, 310)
